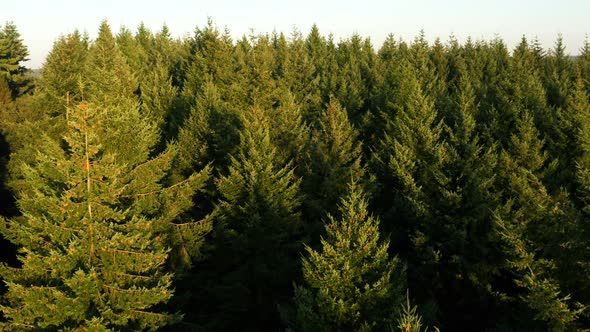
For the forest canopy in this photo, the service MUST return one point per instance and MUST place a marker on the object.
(293, 182)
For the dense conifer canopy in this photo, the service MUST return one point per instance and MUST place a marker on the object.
(293, 182)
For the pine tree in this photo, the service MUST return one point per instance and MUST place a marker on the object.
(411, 164)
(584, 64)
(525, 88)
(12, 55)
(468, 259)
(209, 134)
(59, 85)
(107, 74)
(256, 73)
(21, 122)
(579, 259)
(350, 284)
(332, 160)
(96, 227)
(356, 76)
(529, 93)
(135, 55)
(57, 89)
(323, 58)
(257, 233)
(210, 106)
(281, 58)
(421, 57)
(411, 153)
(302, 79)
(329, 61)
(558, 74)
(410, 320)
(158, 97)
(438, 61)
(532, 223)
(386, 86)
(290, 133)
(97, 224)
(490, 61)
(211, 60)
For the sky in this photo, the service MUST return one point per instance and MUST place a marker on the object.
(41, 22)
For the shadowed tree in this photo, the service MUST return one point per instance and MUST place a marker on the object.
(350, 283)
(257, 233)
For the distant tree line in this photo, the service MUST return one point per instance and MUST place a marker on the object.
(293, 183)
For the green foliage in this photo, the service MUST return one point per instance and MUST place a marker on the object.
(108, 78)
(258, 228)
(526, 220)
(209, 134)
(290, 133)
(410, 320)
(333, 160)
(12, 55)
(350, 284)
(356, 76)
(93, 227)
(97, 226)
(301, 77)
(60, 84)
(477, 159)
(158, 97)
(412, 131)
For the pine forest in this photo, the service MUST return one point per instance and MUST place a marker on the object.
(291, 182)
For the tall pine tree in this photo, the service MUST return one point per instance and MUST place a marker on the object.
(12, 55)
(351, 284)
(257, 233)
(97, 224)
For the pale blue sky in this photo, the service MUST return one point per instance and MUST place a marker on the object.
(40, 22)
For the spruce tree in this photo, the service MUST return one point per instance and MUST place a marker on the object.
(528, 92)
(579, 105)
(332, 160)
(255, 70)
(469, 260)
(490, 61)
(12, 55)
(96, 229)
(290, 133)
(583, 64)
(324, 63)
(59, 85)
(107, 74)
(558, 74)
(209, 134)
(98, 225)
(531, 223)
(351, 284)
(135, 55)
(411, 153)
(257, 232)
(58, 88)
(355, 79)
(411, 164)
(208, 115)
(386, 85)
(210, 60)
(158, 97)
(524, 89)
(302, 79)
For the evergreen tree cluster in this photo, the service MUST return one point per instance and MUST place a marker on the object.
(293, 183)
